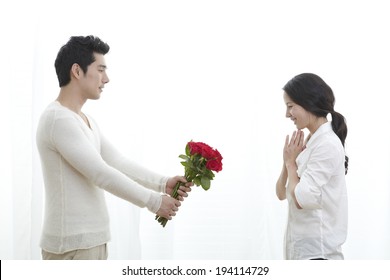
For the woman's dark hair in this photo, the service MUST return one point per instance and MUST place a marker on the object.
(80, 50)
(315, 96)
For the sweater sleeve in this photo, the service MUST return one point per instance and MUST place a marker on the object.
(72, 143)
(136, 172)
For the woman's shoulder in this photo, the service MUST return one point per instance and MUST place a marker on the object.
(329, 143)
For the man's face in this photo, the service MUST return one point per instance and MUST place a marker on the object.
(95, 78)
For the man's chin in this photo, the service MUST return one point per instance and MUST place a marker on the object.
(96, 97)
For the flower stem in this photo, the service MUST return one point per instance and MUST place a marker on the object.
(163, 221)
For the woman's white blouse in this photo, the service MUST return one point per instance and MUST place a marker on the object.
(320, 228)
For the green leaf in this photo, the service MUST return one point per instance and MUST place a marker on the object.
(197, 181)
(190, 165)
(205, 182)
(184, 157)
(209, 174)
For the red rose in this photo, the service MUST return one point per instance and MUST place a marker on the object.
(195, 148)
(214, 165)
(217, 155)
(201, 148)
(207, 152)
(200, 160)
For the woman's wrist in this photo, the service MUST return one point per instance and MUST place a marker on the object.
(291, 165)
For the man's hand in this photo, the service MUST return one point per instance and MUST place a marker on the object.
(169, 207)
(183, 190)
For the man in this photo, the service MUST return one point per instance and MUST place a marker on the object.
(79, 163)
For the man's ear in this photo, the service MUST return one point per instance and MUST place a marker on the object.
(76, 71)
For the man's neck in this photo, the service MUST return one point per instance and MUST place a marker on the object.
(70, 99)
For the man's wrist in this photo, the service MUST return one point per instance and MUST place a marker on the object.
(154, 202)
(164, 185)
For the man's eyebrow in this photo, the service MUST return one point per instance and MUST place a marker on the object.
(102, 66)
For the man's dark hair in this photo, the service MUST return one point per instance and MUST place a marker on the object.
(80, 50)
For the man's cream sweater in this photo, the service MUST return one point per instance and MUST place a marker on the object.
(78, 164)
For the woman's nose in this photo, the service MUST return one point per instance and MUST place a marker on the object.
(288, 114)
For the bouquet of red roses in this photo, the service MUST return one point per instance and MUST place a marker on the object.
(199, 161)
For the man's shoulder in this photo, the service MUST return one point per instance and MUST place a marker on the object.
(55, 110)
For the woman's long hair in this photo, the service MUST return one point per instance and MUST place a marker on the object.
(315, 96)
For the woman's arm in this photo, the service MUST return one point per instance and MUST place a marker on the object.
(293, 181)
(281, 183)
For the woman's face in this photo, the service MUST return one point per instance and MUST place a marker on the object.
(296, 113)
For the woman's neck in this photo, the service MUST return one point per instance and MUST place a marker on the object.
(316, 123)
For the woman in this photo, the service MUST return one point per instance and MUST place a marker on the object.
(313, 173)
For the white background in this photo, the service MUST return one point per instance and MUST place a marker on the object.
(211, 71)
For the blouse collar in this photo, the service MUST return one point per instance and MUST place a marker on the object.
(324, 128)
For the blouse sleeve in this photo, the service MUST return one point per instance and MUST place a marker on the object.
(320, 168)
(71, 142)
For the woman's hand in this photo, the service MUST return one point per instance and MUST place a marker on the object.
(293, 147)
(291, 151)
